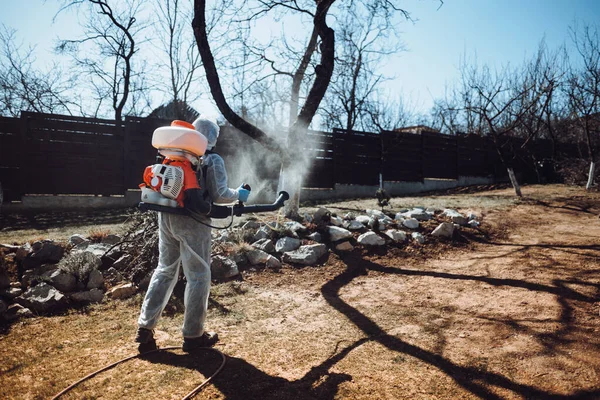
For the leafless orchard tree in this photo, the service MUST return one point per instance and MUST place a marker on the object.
(106, 52)
(364, 40)
(179, 52)
(25, 88)
(583, 90)
(501, 100)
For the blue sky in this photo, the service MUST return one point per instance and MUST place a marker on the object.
(495, 31)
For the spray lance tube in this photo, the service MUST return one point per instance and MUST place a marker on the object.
(221, 212)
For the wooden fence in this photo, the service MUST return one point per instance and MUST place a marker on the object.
(57, 154)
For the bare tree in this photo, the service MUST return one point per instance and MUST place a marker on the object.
(25, 88)
(583, 90)
(178, 48)
(364, 40)
(501, 101)
(106, 51)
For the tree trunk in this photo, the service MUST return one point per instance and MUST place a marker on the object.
(513, 180)
(590, 181)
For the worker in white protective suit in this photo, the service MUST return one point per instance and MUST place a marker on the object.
(183, 239)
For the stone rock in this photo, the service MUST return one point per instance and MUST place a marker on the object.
(370, 239)
(16, 311)
(11, 292)
(474, 223)
(23, 252)
(273, 263)
(456, 217)
(337, 221)
(16, 285)
(445, 229)
(344, 246)
(411, 223)
(433, 210)
(316, 236)
(224, 237)
(61, 280)
(239, 258)
(471, 216)
(98, 249)
(251, 225)
(95, 279)
(336, 233)
(364, 219)
(33, 276)
(399, 217)
(396, 235)
(77, 239)
(262, 233)
(383, 224)
(42, 298)
(223, 268)
(417, 213)
(375, 214)
(90, 296)
(112, 276)
(354, 225)
(43, 252)
(4, 279)
(122, 291)
(307, 218)
(321, 216)
(349, 216)
(305, 255)
(265, 245)
(111, 239)
(257, 256)
(418, 237)
(286, 244)
(295, 227)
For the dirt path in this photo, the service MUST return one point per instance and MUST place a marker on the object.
(514, 315)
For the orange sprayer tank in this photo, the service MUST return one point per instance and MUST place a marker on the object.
(180, 135)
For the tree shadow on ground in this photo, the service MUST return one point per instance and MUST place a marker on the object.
(470, 378)
(242, 380)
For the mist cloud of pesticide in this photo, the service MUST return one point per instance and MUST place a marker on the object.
(249, 162)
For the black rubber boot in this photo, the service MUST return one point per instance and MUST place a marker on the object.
(145, 337)
(208, 339)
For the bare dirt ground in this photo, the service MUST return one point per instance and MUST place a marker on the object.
(511, 312)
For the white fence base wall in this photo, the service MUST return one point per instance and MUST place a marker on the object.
(392, 188)
(132, 197)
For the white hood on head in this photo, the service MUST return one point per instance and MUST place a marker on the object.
(209, 129)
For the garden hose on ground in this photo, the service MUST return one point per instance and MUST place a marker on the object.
(187, 396)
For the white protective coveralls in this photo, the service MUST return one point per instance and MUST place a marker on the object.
(182, 239)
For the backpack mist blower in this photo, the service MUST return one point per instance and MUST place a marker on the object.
(172, 185)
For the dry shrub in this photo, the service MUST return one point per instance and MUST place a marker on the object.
(97, 235)
(140, 242)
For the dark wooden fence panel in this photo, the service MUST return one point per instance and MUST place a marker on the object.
(473, 157)
(439, 156)
(358, 157)
(402, 157)
(317, 151)
(56, 154)
(71, 155)
(10, 158)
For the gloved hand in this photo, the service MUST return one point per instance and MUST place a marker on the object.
(243, 194)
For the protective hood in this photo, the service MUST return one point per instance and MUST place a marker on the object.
(209, 129)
